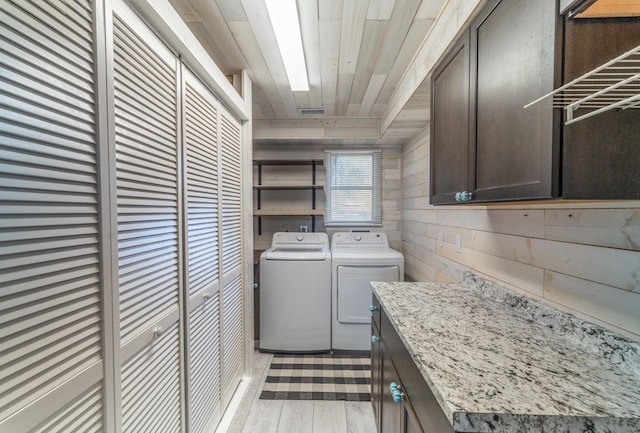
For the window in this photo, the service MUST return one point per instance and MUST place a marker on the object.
(353, 188)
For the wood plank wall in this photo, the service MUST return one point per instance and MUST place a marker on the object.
(391, 194)
(583, 257)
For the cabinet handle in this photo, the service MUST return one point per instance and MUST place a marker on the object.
(157, 332)
(374, 339)
(396, 392)
(372, 308)
(463, 196)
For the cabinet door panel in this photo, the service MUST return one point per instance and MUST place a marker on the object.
(426, 407)
(148, 239)
(391, 412)
(230, 216)
(376, 374)
(151, 387)
(512, 58)
(411, 424)
(203, 279)
(601, 156)
(147, 178)
(450, 125)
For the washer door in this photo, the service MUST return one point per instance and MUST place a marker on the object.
(354, 290)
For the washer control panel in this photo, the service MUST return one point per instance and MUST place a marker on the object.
(296, 238)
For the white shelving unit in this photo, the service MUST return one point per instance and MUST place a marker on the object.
(613, 85)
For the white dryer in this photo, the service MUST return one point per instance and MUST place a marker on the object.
(357, 259)
(295, 293)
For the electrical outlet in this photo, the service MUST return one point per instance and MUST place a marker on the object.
(304, 229)
(458, 244)
(440, 239)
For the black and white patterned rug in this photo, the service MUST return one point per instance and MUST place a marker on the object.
(318, 377)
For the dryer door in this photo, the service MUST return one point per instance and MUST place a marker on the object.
(354, 290)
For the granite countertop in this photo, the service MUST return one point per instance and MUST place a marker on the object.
(500, 362)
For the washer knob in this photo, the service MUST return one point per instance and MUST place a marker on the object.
(299, 237)
(357, 238)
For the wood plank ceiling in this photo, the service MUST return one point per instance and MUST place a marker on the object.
(357, 52)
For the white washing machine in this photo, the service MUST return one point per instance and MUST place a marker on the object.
(295, 293)
(357, 259)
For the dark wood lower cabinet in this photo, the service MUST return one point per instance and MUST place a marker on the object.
(411, 424)
(418, 412)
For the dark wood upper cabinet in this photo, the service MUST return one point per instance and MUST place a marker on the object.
(450, 124)
(518, 51)
(483, 140)
(512, 63)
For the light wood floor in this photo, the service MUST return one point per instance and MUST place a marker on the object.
(293, 416)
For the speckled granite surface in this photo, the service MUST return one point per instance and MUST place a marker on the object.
(499, 362)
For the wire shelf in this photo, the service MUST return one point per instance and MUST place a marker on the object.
(613, 85)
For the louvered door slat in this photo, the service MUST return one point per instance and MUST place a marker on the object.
(138, 51)
(50, 302)
(83, 414)
(57, 52)
(39, 104)
(40, 142)
(154, 228)
(131, 155)
(42, 177)
(49, 298)
(134, 99)
(71, 28)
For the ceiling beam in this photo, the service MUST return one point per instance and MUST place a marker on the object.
(316, 128)
(453, 17)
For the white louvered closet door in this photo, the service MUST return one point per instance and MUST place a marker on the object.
(200, 132)
(232, 320)
(146, 140)
(51, 360)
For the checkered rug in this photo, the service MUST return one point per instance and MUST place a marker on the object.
(318, 377)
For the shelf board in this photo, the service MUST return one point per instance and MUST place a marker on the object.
(287, 161)
(285, 212)
(285, 187)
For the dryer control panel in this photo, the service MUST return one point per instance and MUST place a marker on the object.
(361, 239)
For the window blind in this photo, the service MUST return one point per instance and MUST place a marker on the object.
(353, 188)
